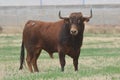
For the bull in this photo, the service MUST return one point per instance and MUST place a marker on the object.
(64, 36)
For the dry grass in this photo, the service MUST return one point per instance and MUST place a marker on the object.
(99, 62)
(88, 29)
(12, 30)
(106, 42)
(98, 66)
(102, 29)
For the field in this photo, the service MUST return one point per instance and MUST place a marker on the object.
(99, 60)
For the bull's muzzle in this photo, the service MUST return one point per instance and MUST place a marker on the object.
(74, 30)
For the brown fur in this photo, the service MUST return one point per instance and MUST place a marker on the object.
(52, 37)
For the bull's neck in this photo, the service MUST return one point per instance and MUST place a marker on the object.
(67, 39)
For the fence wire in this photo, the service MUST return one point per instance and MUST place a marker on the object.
(16, 16)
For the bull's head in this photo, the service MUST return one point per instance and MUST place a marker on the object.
(76, 22)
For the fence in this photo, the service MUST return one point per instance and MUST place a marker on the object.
(16, 16)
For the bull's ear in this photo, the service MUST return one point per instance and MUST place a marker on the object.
(67, 20)
(85, 19)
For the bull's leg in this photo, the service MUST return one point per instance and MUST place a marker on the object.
(29, 59)
(75, 62)
(62, 60)
(34, 60)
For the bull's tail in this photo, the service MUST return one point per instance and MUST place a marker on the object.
(22, 56)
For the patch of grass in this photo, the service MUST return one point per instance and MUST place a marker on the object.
(100, 52)
(94, 61)
(102, 35)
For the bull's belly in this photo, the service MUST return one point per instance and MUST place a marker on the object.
(50, 48)
(70, 51)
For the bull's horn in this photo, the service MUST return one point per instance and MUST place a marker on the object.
(90, 14)
(61, 16)
(88, 18)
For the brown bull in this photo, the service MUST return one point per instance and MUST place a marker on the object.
(64, 36)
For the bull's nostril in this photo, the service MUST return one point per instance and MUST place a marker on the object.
(73, 31)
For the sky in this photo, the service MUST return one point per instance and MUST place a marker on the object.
(54, 2)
